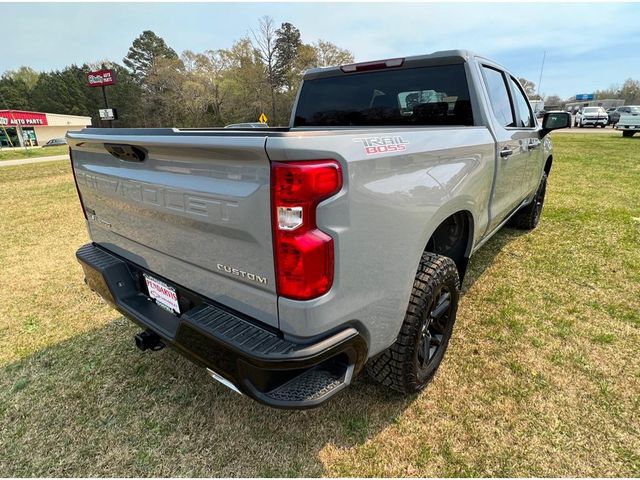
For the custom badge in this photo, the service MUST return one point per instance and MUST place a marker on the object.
(374, 145)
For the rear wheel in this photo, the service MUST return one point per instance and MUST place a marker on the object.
(627, 133)
(527, 218)
(409, 364)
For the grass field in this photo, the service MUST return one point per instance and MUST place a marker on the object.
(542, 377)
(22, 153)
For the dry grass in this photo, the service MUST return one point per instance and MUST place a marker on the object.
(542, 376)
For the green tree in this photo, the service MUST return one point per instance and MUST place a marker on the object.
(264, 43)
(553, 100)
(246, 92)
(161, 96)
(62, 91)
(155, 87)
(529, 86)
(26, 75)
(612, 92)
(203, 92)
(630, 91)
(287, 46)
(14, 94)
(144, 53)
(329, 54)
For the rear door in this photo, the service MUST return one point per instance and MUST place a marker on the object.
(512, 146)
(194, 210)
(527, 127)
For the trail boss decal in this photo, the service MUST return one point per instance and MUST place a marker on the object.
(373, 145)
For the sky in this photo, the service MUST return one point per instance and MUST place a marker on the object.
(588, 46)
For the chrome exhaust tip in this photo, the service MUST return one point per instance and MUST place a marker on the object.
(223, 381)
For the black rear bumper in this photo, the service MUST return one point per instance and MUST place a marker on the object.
(257, 360)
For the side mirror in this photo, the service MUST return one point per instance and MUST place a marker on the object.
(554, 121)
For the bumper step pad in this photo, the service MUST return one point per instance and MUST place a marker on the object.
(310, 386)
(238, 332)
(257, 360)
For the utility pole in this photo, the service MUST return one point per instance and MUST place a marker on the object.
(106, 105)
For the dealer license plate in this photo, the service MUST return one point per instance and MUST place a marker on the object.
(164, 295)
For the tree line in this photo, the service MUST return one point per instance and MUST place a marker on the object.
(157, 87)
(629, 91)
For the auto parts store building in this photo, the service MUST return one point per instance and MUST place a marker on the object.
(28, 129)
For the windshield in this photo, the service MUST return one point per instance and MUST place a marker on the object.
(436, 95)
(592, 110)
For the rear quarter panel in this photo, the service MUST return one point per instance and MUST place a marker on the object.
(381, 221)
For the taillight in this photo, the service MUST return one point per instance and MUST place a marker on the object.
(73, 172)
(303, 253)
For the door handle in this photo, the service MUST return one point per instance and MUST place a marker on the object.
(130, 153)
(533, 145)
(506, 152)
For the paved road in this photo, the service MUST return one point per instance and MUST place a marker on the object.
(27, 161)
(588, 130)
(607, 129)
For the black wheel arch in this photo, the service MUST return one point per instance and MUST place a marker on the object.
(453, 238)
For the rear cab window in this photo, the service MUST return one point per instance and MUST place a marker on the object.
(419, 96)
(525, 116)
(499, 96)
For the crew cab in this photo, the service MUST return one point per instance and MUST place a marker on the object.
(629, 121)
(288, 260)
(596, 116)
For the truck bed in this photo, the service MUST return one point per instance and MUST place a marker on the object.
(196, 210)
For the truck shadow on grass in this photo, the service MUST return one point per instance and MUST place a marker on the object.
(95, 405)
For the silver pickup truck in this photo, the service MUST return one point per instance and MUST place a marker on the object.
(287, 260)
(629, 121)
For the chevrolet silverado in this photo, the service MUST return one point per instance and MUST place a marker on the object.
(286, 261)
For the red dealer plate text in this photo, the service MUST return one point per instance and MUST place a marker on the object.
(164, 295)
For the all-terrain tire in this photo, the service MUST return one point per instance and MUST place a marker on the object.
(410, 363)
(627, 133)
(527, 218)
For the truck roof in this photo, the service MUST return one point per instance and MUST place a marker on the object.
(436, 58)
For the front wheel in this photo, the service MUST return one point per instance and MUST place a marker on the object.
(412, 360)
(627, 133)
(527, 218)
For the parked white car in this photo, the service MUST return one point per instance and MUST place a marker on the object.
(596, 116)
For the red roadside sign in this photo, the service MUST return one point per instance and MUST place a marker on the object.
(101, 78)
(12, 118)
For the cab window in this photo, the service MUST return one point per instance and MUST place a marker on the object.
(522, 105)
(499, 96)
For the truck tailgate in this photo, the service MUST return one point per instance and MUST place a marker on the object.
(195, 210)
